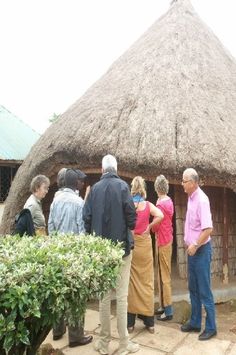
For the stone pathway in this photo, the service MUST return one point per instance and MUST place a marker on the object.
(168, 339)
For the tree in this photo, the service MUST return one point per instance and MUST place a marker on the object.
(45, 278)
(54, 117)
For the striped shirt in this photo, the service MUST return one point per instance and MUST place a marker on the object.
(66, 213)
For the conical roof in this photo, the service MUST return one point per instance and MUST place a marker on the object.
(169, 102)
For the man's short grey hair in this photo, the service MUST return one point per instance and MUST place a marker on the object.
(192, 174)
(109, 163)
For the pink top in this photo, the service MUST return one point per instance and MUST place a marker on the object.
(142, 220)
(164, 230)
(198, 216)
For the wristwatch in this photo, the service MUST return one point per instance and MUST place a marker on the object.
(196, 244)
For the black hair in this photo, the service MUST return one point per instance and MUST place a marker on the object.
(71, 179)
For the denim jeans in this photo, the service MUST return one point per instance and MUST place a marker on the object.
(199, 282)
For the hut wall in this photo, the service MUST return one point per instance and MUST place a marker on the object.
(215, 195)
(231, 198)
(180, 211)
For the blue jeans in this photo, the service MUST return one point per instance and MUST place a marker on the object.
(199, 282)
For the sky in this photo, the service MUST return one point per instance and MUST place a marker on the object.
(52, 51)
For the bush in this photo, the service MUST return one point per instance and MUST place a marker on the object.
(45, 278)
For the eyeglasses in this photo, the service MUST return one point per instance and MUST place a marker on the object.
(185, 181)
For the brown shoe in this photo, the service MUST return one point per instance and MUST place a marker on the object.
(150, 329)
(83, 341)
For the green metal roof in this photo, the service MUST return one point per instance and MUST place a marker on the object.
(16, 137)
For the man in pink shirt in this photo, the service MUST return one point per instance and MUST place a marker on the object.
(198, 227)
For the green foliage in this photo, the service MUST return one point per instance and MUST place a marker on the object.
(54, 117)
(44, 278)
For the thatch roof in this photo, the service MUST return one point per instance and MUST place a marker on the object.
(167, 103)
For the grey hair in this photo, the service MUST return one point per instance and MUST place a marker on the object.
(61, 178)
(38, 181)
(161, 184)
(192, 174)
(109, 163)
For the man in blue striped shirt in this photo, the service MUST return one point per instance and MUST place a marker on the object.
(66, 217)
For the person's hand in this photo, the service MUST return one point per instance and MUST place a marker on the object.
(87, 191)
(147, 231)
(191, 250)
(88, 188)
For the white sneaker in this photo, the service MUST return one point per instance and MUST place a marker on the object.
(131, 348)
(100, 348)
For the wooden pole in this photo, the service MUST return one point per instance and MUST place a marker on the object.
(225, 257)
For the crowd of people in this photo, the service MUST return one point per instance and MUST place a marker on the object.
(115, 211)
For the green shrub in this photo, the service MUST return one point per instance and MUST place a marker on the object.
(45, 278)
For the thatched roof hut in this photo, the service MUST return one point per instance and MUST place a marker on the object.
(169, 102)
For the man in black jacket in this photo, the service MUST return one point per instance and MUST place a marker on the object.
(109, 212)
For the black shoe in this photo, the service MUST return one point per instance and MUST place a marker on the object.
(159, 311)
(188, 328)
(205, 335)
(130, 329)
(58, 337)
(83, 341)
(163, 317)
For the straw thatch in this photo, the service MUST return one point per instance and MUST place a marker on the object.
(167, 103)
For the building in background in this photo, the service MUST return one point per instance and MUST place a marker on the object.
(168, 103)
(16, 140)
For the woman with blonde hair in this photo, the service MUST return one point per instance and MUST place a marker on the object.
(141, 285)
(164, 239)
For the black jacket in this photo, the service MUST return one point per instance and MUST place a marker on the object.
(109, 210)
(24, 223)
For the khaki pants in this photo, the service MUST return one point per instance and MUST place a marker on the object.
(164, 275)
(121, 309)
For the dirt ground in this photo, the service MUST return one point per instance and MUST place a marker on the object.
(226, 320)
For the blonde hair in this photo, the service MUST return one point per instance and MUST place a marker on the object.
(161, 184)
(138, 186)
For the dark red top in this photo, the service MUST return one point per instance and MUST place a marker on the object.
(142, 220)
(164, 230)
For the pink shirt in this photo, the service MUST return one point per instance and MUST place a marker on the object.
(198, 216)
(142, 220)
(164, 230)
